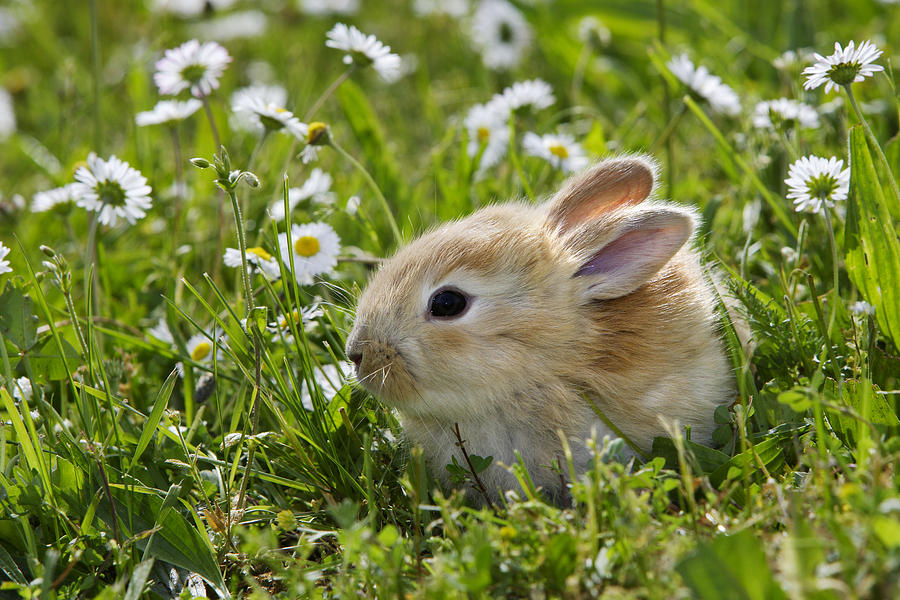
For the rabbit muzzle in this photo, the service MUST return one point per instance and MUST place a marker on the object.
(380, 368)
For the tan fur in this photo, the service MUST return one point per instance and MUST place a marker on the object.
(511, 371)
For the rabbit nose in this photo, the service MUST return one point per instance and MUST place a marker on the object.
(354, 352)
(356, 357)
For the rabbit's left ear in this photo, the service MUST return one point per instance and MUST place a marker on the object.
(600, 189)
(613, 260)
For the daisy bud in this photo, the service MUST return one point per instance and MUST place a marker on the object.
(200, 163)
(48, 251)
(252, 180)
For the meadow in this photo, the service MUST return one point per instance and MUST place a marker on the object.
(178, 418)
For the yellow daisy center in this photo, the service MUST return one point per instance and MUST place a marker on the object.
(260, 253)
(559, 150)
(294, 316)
(306, 246)
(201, 351)
(483, 134)
(315, 133)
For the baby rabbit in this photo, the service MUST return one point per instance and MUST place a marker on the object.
(502, 322)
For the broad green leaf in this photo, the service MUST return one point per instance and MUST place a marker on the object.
(872, 251)
(708, 459)
(18, 322)
(49, 363)
(176, 542)
(730, 566)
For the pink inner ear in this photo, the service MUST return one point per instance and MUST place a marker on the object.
(629, 261)
(620, 193)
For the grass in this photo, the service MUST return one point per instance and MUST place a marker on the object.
(255, 475)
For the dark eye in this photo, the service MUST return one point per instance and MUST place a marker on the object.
(448, 303)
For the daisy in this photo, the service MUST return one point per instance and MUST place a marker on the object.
(862, 307)
(23, 390)
(315, 249)
(328, 379)
(843, 67)
(706, 85)
(256, 257)
(168, 111)
(560, 150)
(305, 318)
(487, 127)
(268, 116)
(7, 115)
(267, 94)
(786, 112)
(451, 8)
(58, 199)
(364, 50)
(193, 66)
(4, 264)
(321, 8)
(317, 135)
(499, 33)
(534, 93)
(815, 182)
(113, 189)
(162, 332)
(233, 26)
(316, 187)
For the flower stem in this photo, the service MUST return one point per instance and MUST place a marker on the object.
(327, 93)
(384, 203)
(220, 209)
(834, 271)
(242, 245)
(874, 142)
(95, 70)
(179, 188)
(514, 158)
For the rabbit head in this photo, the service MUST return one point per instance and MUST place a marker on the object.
(503, 320)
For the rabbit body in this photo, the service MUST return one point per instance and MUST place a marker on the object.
(593, 296)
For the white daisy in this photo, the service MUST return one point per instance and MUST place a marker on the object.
(4, 264)
(316, 187)
(233, 26)
(113, 189)
(315, 248)
(168, 111)
(7, 115)
(193, 66)
(306, 319)
(862, 307)
(364, 50)
(267, 94)
(843, 67)
(162, 332)
(534, 93)
(815, 182)
(200, 348)
(784, 111)
(706, 85)
(58, 199)
(328, 379)
(23, 390)
(487, 127)
(499, 33)
(269, 116)
(451, 8)
(560, 150)
(322, 8)
(257, 258)
(189, 8)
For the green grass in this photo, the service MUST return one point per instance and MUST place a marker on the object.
(118, 470)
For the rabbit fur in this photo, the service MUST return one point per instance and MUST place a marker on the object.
(597, 292)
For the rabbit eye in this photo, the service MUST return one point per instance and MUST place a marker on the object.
(448, 303)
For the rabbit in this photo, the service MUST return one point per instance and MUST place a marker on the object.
(508, 321)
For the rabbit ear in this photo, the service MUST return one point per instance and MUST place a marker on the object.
(619, 262)
(608, 185)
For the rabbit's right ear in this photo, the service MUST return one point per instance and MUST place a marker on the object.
(604, 187)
